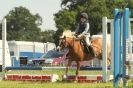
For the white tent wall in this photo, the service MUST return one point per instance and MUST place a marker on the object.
(7, 56)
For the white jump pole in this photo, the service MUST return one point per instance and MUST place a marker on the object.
(3, 43)
(105, 22)
(104, 49)
(130, 38)
(112, 45)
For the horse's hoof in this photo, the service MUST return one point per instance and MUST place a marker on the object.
(64, 76)
(75, 81)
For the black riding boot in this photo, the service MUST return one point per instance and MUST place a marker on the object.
(92, 51)
(86, 47)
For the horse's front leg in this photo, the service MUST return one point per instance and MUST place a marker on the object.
(68, 65)
(78, 68)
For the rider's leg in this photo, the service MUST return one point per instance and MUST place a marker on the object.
(90, 48)
(87, 40)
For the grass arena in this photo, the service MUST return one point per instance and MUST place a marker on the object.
(58, 84)
(55, 78)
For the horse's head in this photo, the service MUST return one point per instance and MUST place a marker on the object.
(63, 41)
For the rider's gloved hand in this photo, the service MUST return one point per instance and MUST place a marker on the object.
(79, 36)
(75, 35)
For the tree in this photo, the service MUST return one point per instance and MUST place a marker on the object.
(23, 25)
(47, 36)
(65, 20)
(130, 4)
(68, 16)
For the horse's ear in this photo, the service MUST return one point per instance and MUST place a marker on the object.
(64, 37)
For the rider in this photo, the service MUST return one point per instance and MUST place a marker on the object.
(82, 29)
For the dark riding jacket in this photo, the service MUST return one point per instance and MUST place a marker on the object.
(82, 28)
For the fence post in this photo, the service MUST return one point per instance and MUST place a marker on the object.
(125, 43)
(116, 48)
(104, 47)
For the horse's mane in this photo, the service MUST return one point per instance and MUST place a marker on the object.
(67, 33)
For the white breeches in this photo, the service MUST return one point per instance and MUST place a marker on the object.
(87, 39)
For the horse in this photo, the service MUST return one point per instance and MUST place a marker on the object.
(77, 49)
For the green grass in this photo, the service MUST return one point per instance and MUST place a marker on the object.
(22, 84)
(59, 72)
(14, 84)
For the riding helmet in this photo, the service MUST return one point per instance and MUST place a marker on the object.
(84, 15)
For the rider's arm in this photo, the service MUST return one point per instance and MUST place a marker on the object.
(77, 29)
(86, 29)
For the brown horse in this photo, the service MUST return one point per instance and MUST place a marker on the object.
(76, 49)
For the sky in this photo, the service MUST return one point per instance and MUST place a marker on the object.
(45, 8)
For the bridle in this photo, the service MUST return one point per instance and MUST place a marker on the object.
(62, 42)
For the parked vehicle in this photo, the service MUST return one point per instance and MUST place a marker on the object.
(51, 58)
